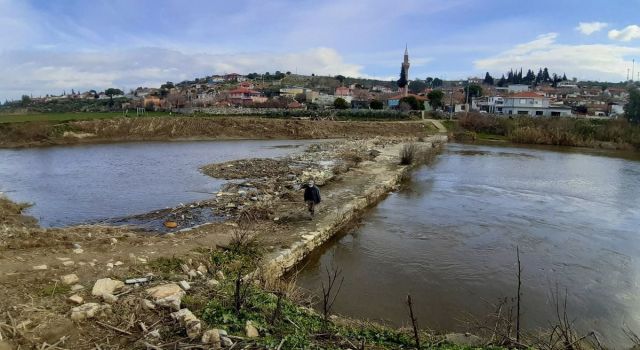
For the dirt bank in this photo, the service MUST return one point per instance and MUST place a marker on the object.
(32, 134)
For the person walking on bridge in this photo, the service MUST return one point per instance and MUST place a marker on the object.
(311, 196)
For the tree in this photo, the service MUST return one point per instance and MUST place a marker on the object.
(340, 103)
(168, 85)
(25, 100)
(113, 92)
(417, 86)
(413, 102)
(375, 104)
(488, 79)
(502, 82)
(340, 78)
(435, 98)
(632, 108)
(429, 81)
(402, 82)
(301, 98)
(437, 82)
(473, 90)
(545, 75)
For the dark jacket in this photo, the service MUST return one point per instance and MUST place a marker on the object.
(311, 194)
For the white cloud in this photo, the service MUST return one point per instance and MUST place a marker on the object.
(626, 34)
(46, 72)
(594, 61)
(588, 28)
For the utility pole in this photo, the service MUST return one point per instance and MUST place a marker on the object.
(633, 68)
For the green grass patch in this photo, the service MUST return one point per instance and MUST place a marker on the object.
(166, 265)
(69, 116)
(54, 289)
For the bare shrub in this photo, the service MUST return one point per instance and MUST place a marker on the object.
(408, 154)
(330, 290)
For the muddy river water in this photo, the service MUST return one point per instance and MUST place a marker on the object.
(449, 239)
(89, 183)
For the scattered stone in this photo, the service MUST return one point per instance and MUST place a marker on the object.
(220, 275)
(213, 283)
(106, 286)
(78, 251)
(185, 268)
(76, 299)
(113, 240)
(142, 260)
(40, 267)
(251, 330)
(118, 263)
(147, 304)
(77, 287)
(76, 246)
(211, 337)
(63, 259)
(189, 321)
(110, 298)
(68, 263)
(70, 279)
(226, 342)
(109, 266)
(88, 310)
(203, 269)
(185, 285)
(223, 333)
(167, 295)
(464, 339)
(231, 205)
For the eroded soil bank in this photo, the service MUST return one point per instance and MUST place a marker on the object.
(33, 134)
(51, 295)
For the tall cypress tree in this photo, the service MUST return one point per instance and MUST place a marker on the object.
(402, 82)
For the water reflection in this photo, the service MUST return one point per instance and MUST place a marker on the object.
(449, 239)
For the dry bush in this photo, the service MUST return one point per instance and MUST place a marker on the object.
(408, 153)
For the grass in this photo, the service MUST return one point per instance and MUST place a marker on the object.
(68, 116)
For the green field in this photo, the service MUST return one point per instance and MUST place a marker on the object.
(66, 116)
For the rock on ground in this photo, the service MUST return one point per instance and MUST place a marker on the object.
(168, 295)
(76, 299)
(251, 330)
(211, 337)
(70, 279)
(87, 311)
(106, 286)
(189, 321)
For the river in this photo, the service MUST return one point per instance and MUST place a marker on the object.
(449, 238)
(71, 185)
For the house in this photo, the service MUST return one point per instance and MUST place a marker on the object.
(291, 91)
(490, 104)
(616, 109)
(242, 96)
(343, 91)
(152, 100)
(234, 77)
(533, 104)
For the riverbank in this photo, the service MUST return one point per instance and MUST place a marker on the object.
(50, 277)
(615, 134)
(38, 134)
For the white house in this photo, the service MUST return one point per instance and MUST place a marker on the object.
(490, 104)
(533, 104)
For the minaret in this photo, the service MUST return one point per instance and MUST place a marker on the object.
(405, 67)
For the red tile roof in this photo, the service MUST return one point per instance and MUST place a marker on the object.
(527, 95)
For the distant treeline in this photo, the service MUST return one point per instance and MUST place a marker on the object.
(530, 78)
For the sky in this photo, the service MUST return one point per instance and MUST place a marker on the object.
(47, 47)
